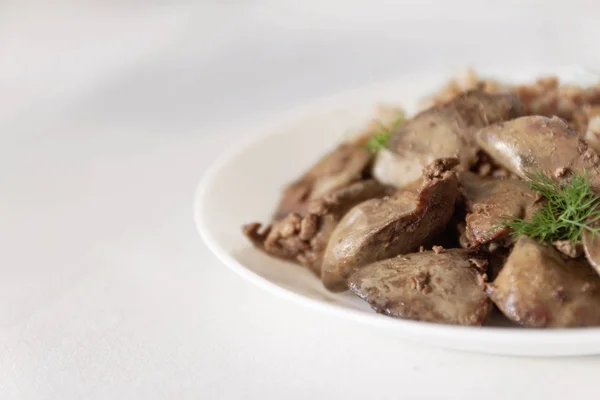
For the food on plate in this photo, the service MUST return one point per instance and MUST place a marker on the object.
(568, 210)
(348, 163)
(537, 287)
(533, 144)
(382, 228)
(487, 200)
(304, 237)
(445, 130)
(445, 286)
(546, 96)
(490, 195)
(342, 166)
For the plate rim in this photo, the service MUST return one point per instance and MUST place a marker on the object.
(276, 126)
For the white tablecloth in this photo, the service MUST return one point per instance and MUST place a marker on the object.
(109, 114)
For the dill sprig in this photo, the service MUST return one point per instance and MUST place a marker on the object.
(379, 139)
(570, 208)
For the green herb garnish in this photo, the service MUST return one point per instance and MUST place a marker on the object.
(571, 207)
(379, 140)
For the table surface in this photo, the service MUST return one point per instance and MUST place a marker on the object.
(109, 114)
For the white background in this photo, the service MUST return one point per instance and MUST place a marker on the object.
(109, 114)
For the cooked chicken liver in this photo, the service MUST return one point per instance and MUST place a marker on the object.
(383, 228)
(337, 169)
(488, 200)
(445, 287)
(539, 288)
(442, 131)
(304, 238)
(533, 144)
(420, 240)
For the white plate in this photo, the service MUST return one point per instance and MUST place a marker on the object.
(245, 185)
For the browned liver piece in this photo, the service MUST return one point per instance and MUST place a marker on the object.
(490, 200)
(538, 287)
(340, 167)
(383, 228)
(529, 145)
(303, 238)
(445, 287)
(446, 130)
